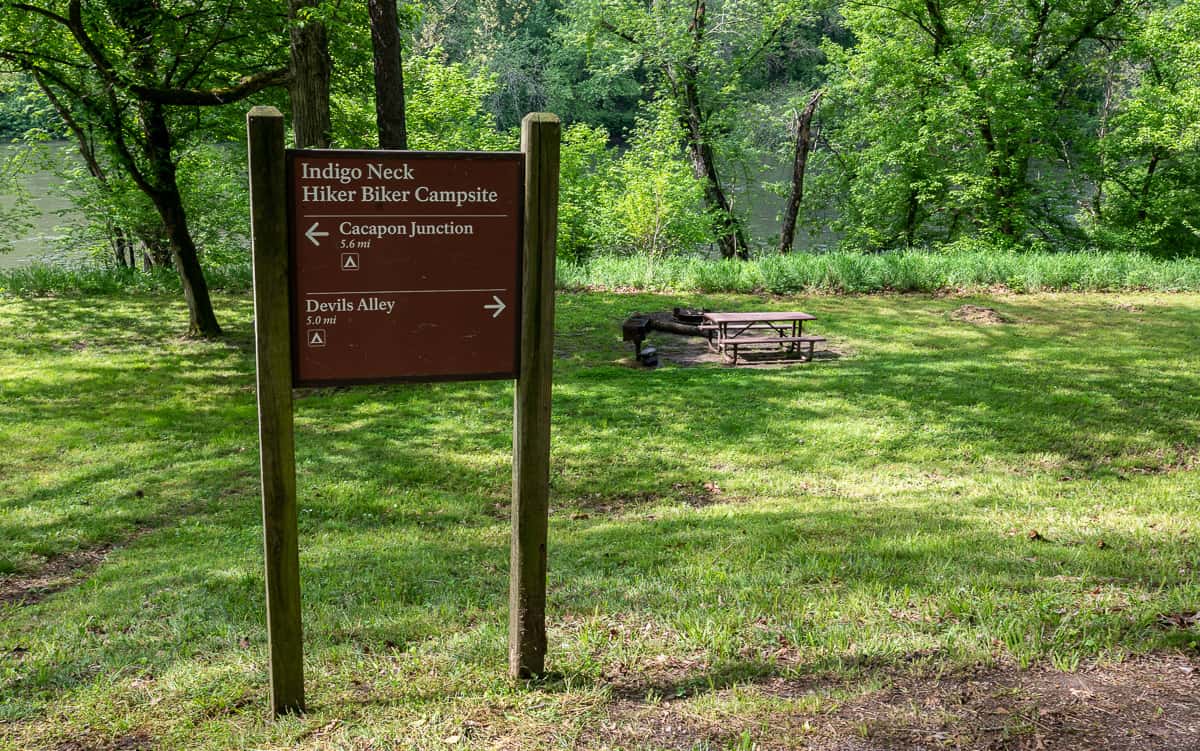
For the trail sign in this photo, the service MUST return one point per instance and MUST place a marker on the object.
(419, 267)
(404, 265)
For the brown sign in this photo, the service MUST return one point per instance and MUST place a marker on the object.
(405, 265)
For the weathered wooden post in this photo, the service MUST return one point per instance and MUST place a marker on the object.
(272, 334)
(531, 409)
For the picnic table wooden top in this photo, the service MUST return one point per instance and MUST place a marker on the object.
(762, 316)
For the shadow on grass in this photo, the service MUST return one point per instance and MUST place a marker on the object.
(194, 592)
(402, 492)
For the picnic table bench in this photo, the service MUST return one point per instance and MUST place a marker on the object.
(727, 332)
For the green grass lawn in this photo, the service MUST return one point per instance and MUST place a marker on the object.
(712, 528)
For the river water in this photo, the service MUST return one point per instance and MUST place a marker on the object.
(51, 212)
(53, 216)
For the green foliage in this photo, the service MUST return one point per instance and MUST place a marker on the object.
(352, 84)
(656, 206)
(140, 89)
(943, 122)
(586, 181)
(24, 108)
(692, 56)
(15, 206)
(969, 265)
(951, 119)
(42, 279)
(445, 107)
(213, 183)
(645, 201)
(577, 91)
(104, 208)
(1150, 150)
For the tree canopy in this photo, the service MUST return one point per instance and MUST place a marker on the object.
(1021, 123)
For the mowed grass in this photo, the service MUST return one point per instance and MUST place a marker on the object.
(712, 528)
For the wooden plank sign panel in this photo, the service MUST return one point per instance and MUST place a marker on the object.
(405, 265)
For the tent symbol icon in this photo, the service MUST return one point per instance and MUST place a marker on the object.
(350, 262)
(316, 337)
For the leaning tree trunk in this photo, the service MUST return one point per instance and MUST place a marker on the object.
(389, 75)
(202, 319)
(310, 73)
(731, 238)
(123, 247)
(803, 129)
(169, 203)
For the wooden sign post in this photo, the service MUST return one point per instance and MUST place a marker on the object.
(381, 266)
(531, 404)
(273, 361)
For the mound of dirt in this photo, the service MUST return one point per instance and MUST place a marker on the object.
(979, 315)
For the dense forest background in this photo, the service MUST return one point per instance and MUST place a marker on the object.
(870, 126)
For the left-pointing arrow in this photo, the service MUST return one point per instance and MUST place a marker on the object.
(312, 233)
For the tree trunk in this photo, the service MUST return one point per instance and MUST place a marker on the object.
(731, 238)
(802, 126)
(202, 319)
(911, 214)
(122, 246)
(389, 75)
(310, 74)
(1142, 212)
(1002, 179)
(169, 203)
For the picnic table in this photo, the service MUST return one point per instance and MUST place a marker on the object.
(783, 330)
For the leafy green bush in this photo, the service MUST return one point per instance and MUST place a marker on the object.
(586, 179)
(444, 107)
(213, 181)
(655, 205)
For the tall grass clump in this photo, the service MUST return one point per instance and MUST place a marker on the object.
(953, 268)
(837, 272)
(42, 279)
(725, 275)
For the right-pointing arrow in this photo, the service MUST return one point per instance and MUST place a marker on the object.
(498, 307)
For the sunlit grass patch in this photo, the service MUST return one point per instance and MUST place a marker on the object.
(948, 495)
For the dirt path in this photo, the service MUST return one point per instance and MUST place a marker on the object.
(1143, 704)
(57, 574)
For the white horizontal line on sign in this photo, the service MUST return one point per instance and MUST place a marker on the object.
(406, 216)
(401, 291)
